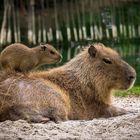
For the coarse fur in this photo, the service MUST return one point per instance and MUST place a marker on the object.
(81, 89)
(18, 57)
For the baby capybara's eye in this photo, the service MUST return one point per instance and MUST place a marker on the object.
(107, 60)
(52, 52)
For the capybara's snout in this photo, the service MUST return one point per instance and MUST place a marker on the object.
(130, 76)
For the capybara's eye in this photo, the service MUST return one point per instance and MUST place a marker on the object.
(107, 60)
(52, 52)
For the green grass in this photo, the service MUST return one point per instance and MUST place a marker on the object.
(133, 91)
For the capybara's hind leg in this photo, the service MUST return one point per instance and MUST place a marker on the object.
(30, 114)
(27, 113)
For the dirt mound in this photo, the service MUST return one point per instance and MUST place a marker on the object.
(126, 127)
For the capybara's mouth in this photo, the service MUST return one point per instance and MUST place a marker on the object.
(129, 84)
(59, 59)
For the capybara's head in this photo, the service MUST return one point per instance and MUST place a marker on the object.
(108, 69)
(49, 54)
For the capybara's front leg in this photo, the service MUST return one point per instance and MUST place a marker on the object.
(112, 111)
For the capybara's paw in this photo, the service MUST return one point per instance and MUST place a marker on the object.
(44, 120)
(112, 111)
(38, 119)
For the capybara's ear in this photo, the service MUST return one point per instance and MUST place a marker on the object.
(43, 47)
(92, 50)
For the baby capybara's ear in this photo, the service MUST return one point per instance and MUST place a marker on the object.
(43, 47)
(92, 51)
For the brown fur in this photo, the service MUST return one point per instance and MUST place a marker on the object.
(81, 89)
(18, 57)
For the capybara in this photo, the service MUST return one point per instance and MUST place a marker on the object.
(18, 57)
(80, 89)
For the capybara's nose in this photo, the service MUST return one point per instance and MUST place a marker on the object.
(131, 77)
(60, 58)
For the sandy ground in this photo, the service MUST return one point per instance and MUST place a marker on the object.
(126, 127)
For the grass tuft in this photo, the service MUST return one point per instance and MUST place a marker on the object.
(133, 91)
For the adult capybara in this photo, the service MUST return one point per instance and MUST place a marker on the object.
(81, 89)
(18, 57)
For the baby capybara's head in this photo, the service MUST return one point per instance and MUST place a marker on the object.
(108, 69)
(48, 54)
